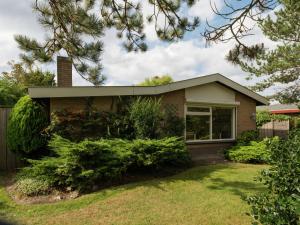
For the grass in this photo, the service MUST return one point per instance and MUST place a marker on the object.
(206, 195)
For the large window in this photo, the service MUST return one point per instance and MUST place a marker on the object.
(209, 123)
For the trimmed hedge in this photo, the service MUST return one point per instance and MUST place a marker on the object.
(255, 152)
(157, 154)
(84, 164)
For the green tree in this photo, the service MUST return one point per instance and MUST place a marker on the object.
(157, 80)
(26, 76)
(10, 93)
(77, 26)
(14, 84)
(279, 203)
(279, 66)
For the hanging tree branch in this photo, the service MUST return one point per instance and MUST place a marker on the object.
(76, 27)
(279, 66)
(235, 18)
(67, 22)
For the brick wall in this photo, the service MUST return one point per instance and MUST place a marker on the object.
(79, 104)
(64, 72)
(175, 98)
(245, 112)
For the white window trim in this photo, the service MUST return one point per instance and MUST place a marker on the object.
(234, 121)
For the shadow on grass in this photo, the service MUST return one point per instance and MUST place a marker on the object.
(198, 174)
(241, 188)
(204, 175)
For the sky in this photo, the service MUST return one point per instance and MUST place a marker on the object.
(184, 59)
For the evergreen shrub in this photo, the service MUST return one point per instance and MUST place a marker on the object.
(84, 164)
(26, 125)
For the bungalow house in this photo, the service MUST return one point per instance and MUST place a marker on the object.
(216, 109)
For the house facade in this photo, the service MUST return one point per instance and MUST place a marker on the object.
(216, 109)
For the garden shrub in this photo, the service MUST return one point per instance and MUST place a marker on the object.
(173, 125)
(247, 136)
(80, 165)
(139, 118)
(77, 126)
(157, 154)
(32, 186)
(26, 124)
(84, 164)
(280, 203)
(255, 152)
(295, 123)
(146, 116)
(263, 117)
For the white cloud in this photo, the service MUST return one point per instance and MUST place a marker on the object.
(182, 60)
(203, 9)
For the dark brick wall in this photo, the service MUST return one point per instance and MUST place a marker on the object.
(64, 72)
(245, 112)
(80, 103)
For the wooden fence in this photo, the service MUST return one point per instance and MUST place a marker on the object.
(8, 160)
(275, 128)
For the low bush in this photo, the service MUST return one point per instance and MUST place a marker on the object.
(247, 136)
(32, 186)
(84, 164)
(254, 152)
(157, 154)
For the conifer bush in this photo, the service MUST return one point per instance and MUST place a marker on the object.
(87, 163)
(253, 152)
(27, 121)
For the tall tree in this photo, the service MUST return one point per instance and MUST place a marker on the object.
(10, 93)
(77, 26)
(14, 84)
(28, 76)
(279, 66)
(157, 80)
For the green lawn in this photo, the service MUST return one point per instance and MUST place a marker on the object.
(201, 195)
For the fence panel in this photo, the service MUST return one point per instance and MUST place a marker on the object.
(275, 128)
(281, 128)
(8, 160)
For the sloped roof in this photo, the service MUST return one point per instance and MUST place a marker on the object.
(280, 108)
(81, 91)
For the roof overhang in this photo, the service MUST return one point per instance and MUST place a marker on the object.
(92, 91)
(285, 111)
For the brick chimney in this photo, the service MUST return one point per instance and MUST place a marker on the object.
(64, 72)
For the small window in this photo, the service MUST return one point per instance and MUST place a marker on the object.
(198, 109)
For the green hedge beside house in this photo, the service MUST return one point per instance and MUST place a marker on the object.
(87, 163)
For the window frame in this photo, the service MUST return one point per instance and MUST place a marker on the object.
(233, 124)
